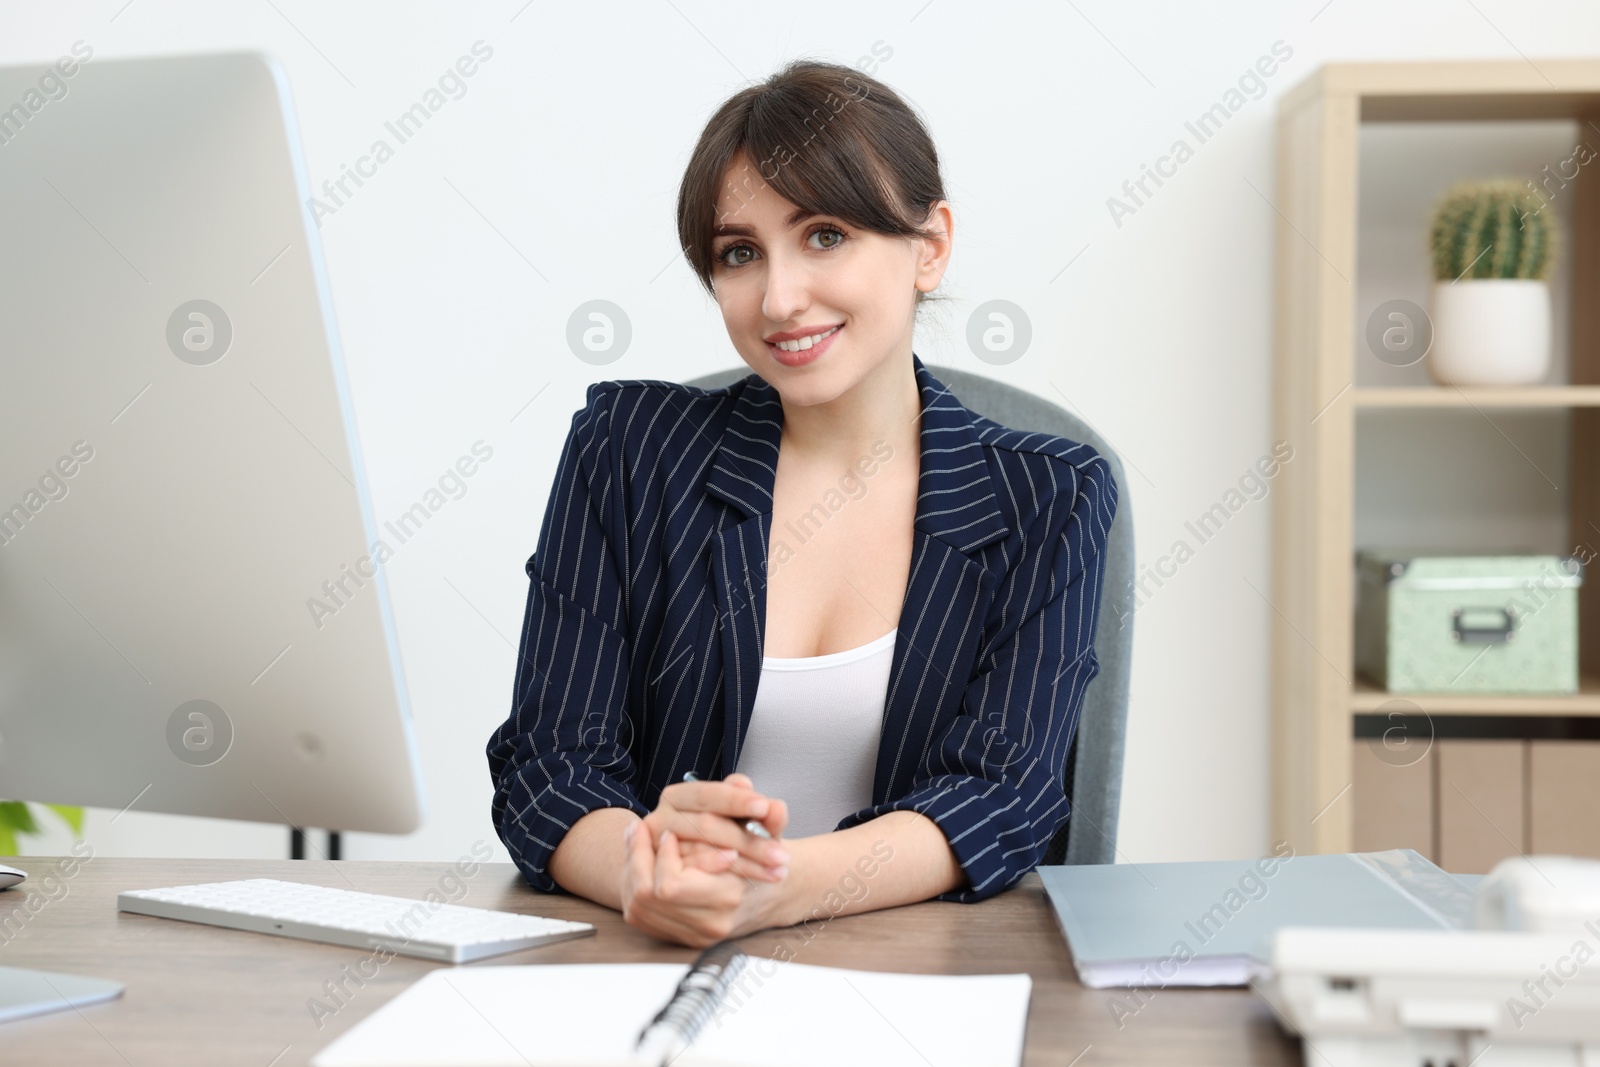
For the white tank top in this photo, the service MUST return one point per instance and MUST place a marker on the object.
(813, 735)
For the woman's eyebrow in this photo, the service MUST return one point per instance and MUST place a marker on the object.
(796, 217)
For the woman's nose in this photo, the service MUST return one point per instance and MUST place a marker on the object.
(787, 290)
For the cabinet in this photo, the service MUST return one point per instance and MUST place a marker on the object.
(1330, 787)
(1467, 803)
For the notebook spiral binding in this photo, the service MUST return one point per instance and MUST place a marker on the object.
(699, 993)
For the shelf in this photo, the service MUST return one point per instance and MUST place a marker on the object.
(1456, 90)
(1318, 352)
(1444, 396)
(1366, 697)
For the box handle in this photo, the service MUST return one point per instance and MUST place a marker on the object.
(1483, 626)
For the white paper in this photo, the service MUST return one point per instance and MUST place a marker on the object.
(777, 1015)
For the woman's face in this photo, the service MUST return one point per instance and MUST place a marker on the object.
(777, 275)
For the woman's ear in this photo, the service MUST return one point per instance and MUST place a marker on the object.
(933, 253)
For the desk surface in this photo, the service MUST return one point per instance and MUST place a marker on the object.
(201, 994)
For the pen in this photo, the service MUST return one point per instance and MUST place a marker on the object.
(751, 826)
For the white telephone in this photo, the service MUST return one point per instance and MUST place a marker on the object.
(1521, 988)
(1541, 894)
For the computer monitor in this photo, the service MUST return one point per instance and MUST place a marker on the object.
(194, 616)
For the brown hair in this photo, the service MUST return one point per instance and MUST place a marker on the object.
(825, 137)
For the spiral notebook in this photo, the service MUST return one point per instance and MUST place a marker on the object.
(773, 1014)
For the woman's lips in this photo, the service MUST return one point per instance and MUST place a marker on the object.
(805, 355)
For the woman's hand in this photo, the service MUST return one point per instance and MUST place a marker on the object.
(679, 901)
(706, 819)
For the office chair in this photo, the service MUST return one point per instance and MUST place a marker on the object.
(1093, 776)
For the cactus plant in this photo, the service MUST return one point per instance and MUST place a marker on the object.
(1491, 229)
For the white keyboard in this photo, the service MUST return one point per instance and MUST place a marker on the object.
(407, 927)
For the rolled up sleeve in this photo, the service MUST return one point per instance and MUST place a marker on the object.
(563, 751)
(993, 780)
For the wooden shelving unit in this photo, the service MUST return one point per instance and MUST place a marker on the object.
(1556, 396)
(1315, 691)
(1366, 697)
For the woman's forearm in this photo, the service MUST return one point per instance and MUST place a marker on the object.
(589, 859)
(898, 858)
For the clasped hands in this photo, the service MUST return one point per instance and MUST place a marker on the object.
(694, 875)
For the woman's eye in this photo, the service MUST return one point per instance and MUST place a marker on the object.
(838, 234)
(726, 256)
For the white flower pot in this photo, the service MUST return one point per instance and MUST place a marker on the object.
(1490, 331)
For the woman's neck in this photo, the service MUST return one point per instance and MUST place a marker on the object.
(886, 405)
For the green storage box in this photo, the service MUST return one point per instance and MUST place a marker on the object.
(1467, 624)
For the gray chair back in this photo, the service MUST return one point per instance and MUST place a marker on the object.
(1093, 775)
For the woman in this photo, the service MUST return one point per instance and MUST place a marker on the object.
(865, 609)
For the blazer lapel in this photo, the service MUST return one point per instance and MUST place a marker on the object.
(742, 476)
(957, 515)
(949, 589)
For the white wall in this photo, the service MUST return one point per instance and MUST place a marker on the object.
(571, 139)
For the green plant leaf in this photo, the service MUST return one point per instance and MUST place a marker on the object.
(8, 842)
(15, 817)
(70, 815)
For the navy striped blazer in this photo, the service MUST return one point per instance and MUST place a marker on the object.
(642, 644)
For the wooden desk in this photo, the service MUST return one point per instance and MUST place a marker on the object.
(205, 995)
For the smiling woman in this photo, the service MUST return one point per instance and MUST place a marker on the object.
(907, 683)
